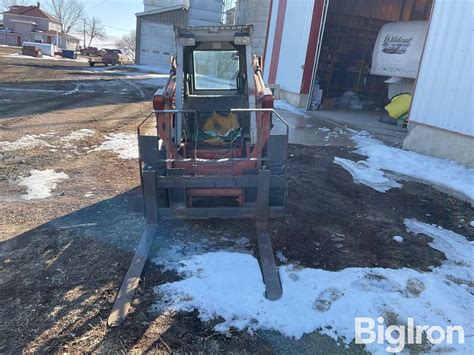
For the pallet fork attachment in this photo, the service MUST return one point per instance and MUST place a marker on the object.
(132, 278)
(268, 268)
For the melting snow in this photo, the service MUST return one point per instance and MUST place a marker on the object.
(283, 105)
(124, 144)
(445, 174)
(363, 173)
(398, 238)
(77, 135)
(229, 285)
(25, 142)
(40, 183)
(279, 255)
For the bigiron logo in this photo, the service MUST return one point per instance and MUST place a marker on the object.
(398, 336)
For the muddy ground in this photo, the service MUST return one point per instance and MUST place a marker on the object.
(64, 257)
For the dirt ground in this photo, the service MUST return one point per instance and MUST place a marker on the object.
(64, 257)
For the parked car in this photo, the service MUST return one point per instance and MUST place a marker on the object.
(108, 57)
(114, 56)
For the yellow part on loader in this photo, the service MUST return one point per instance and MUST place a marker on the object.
(399, 106)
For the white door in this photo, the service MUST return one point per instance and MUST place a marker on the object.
(157, 44)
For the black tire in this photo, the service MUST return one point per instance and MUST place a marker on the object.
(91, 64)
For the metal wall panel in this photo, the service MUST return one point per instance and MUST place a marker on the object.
(205, 12)
(157, 43)
(173, 17)
(151, 5)
(444, 95)
(270, 41)
(294, 45)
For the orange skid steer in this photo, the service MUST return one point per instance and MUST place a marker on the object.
(212, 148)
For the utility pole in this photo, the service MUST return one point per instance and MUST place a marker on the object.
(84, 33)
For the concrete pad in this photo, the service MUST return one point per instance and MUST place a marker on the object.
(369, 121)
(312, 131)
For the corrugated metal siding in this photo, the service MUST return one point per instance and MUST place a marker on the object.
(444, 88)
(151, 5)
(175, 17)
(205, 12)
(255, 12)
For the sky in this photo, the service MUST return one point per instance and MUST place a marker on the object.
(118, 16)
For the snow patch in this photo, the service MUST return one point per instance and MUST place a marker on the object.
(71, 92)
(229, 285)
(46, 57)
(279, 255)
(362, 173)
(124, 144)
(283, 105)
(25, 142)
(40, 183)
(149, 68)
(441, 173)
(78, 135)
(471, 223)
(398, 239)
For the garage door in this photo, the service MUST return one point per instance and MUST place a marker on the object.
(157, 44)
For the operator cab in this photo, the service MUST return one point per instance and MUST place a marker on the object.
(215, 80)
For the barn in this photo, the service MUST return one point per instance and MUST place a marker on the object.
(320, 52)
(328, 45)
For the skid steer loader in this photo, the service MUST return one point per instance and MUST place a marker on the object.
(213, 147)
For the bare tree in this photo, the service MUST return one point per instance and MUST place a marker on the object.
(68, 12)
(94, 29)
(127, 44)
(6, 4)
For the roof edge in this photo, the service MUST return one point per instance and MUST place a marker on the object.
(158, 11)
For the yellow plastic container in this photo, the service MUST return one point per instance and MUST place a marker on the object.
(399, 105)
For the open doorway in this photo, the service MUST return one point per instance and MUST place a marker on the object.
(343, 78)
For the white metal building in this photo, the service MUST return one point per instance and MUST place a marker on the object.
(155, 34)
(254, 12)
(441, 119)
(328, 44)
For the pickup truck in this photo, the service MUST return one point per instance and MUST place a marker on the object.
(90, 51)
(108, 57)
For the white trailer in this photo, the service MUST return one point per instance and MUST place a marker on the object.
(397, 54)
